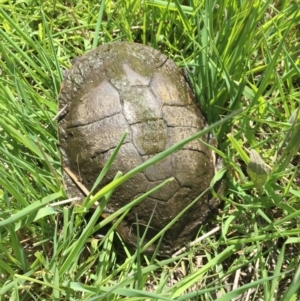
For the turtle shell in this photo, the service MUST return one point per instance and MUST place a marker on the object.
(128, 87)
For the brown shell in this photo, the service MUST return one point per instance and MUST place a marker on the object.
(131, 87)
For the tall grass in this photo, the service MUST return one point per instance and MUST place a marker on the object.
(239, 55)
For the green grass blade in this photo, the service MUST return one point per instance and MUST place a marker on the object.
(31, 209)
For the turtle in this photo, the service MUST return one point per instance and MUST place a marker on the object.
(130, 87)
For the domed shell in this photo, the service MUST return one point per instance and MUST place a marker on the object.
(128, 87)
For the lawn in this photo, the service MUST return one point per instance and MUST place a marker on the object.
(243, 64)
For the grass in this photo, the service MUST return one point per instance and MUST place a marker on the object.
(241, 55)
